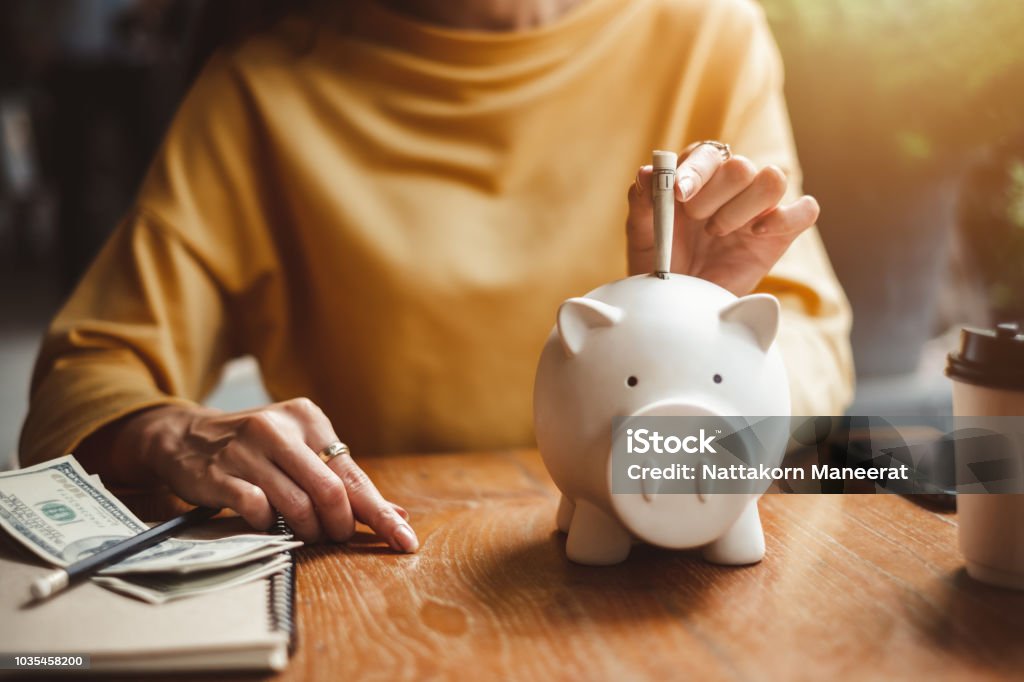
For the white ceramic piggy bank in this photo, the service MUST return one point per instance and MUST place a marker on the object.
(644, 346)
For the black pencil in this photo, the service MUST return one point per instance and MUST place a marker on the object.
(52, 583)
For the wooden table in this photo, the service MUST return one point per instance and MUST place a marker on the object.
(853, 586)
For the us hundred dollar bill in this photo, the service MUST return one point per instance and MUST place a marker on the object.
(159, 588)
(63, 514)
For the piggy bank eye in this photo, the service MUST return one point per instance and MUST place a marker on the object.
(632, 381)
(718, 378)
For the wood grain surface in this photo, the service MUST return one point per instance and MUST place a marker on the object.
(852, 587)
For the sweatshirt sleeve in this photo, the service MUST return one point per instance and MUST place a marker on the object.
(144, 327)
(815, 332)
(163, 305)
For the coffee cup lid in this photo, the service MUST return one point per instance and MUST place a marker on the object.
(989, 357)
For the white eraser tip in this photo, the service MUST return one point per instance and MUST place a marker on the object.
(49, 584)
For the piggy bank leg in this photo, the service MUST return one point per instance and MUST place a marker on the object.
(595, 539)
(563, 518)
(742, 544)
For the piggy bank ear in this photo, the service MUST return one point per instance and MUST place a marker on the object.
(759, 313)
(578, 317)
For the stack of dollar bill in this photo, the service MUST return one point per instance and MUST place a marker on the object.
(63, 514)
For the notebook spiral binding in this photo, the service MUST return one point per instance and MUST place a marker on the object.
(281, 596)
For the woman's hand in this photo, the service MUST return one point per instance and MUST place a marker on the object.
(258, 461)
(730, 227)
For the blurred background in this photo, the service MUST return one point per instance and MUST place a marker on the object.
(908, 116)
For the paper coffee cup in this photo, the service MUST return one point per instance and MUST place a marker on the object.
(988, 381)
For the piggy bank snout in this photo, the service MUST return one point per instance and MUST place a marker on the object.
(675, 408)
(669, 436)
(668, 432)
(689, 422)
(684, 427)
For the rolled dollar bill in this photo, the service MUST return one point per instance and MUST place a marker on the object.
(663, 196)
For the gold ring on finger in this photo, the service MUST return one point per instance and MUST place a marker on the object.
(725, 149)
(335, 449)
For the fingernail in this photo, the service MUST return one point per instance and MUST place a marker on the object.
(640, 185)
(686, 186)
(407, 539)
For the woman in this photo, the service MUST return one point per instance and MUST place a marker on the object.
(385, 205)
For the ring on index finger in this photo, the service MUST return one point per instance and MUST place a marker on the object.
(725, 149)
(335, 449)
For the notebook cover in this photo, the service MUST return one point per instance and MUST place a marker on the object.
(250, 626)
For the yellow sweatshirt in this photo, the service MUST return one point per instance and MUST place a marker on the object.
(387, 214)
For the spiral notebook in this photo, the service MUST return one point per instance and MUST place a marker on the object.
(248, 627)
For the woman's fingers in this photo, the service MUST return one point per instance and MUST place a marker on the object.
(213, 487)
(281, 439)
(640, 223)
(731, 179)
(245, 498)
(792, 219)
(249, 461)
(340, 491)
(761, 195)
(285, 438)
(362, 499)
(330, 499)
(723, 197)
(641, 210)
(371, 508)
(265, 459)
(401, 510)
(697, 170)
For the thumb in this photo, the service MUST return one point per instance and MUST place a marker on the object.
(640, 223)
